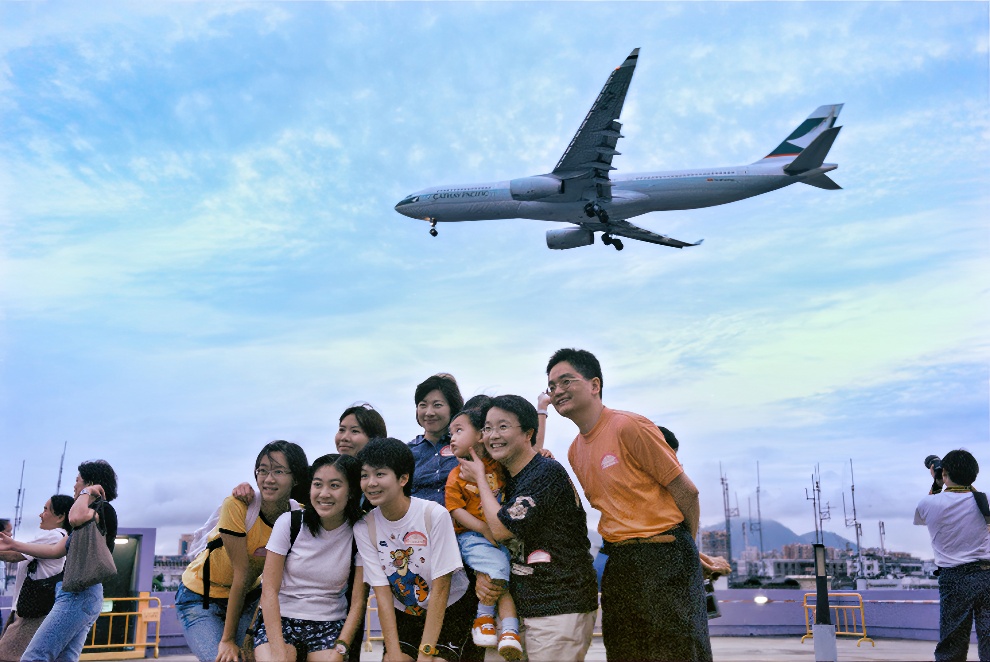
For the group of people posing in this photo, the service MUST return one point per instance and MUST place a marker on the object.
(471, 536)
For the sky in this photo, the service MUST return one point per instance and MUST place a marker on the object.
(199, 252)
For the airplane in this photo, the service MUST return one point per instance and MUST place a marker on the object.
(580, 189)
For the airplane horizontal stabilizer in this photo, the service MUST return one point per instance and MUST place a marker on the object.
(814, 154)
(822, 181)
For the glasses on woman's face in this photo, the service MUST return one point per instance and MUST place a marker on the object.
(261, 473)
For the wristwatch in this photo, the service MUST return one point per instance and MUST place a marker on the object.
(429, 649)
(341, 648)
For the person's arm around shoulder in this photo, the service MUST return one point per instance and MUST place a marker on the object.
(685, 496)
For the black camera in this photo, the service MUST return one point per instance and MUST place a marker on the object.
(934, 462)
(711, 602)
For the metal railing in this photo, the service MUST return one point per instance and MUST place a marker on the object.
(135, 637)
(849, 619)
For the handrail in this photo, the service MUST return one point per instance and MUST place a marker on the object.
(147, 613)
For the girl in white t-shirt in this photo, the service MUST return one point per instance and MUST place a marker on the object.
(310, 554)
(54, 526)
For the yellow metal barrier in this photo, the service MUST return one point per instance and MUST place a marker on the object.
(135, 641)
(849, 619)
(368, 638)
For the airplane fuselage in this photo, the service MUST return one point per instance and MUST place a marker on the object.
(631, 195)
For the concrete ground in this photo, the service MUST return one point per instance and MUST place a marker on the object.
(758, 649)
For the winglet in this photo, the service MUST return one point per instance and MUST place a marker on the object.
(631, 60)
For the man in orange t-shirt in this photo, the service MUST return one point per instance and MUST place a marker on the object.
(653, 602)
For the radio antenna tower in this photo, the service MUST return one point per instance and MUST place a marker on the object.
(730, 512)
(821, 513)
(759, 518)
(854, 523)
(883, 550)
(58, 487)
(19, 504)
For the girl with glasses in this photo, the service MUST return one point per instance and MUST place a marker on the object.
(221, 587)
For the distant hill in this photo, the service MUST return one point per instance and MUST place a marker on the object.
(775, 536)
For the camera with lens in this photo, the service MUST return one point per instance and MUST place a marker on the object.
(934, 462)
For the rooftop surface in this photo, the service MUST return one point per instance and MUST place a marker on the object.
(740, 649)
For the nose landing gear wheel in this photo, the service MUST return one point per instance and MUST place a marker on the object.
(433, 229)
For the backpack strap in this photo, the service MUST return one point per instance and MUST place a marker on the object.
(216, 543)
(295, 524)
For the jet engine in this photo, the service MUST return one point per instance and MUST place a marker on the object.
(535, 188)
(569, 238)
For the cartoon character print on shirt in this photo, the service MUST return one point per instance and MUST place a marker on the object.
(408, 586)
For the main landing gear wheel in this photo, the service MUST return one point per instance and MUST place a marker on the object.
(602, 215)
(433, 229)
(591, 209)
(607, 239)
(618, 244)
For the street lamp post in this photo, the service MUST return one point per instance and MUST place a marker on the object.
(823, 630)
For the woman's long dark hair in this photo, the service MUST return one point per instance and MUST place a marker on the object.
(61, 504)
(298, 465)
(350, 469)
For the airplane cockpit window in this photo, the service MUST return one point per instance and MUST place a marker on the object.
(409, 200)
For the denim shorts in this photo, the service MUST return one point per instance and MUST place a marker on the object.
(482, 556)
(308, 636)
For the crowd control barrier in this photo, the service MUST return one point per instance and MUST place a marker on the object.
(847, 616)
(123, 634)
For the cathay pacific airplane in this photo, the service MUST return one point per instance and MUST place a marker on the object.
(581, 190)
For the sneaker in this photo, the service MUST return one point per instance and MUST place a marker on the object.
(483, 632)
(509, 646)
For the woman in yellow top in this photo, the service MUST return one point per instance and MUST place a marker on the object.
(221, 587)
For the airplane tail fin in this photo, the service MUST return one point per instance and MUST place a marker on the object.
(818, 123)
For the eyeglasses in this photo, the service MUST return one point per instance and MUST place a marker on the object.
(564, 384)
(502, 429)
(261, 473)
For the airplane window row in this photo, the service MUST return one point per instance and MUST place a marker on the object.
(689, 174)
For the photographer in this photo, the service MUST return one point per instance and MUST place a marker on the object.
(957, 519)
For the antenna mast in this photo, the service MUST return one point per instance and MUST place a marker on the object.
(19, 505)
(759, 518)
(854, 523)
(883, 550)
(821, 513)
(730, 512)
(58, 487)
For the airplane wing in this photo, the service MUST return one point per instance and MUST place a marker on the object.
(589, 155)
(626, 229)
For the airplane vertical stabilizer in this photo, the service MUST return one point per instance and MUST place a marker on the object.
(817, 123)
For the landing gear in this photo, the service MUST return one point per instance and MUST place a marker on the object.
(608, 240)
(593, 209)
(433, 229)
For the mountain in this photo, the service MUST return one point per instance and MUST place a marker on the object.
(775, 536)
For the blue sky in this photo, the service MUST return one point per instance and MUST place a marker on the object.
(198, 251)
